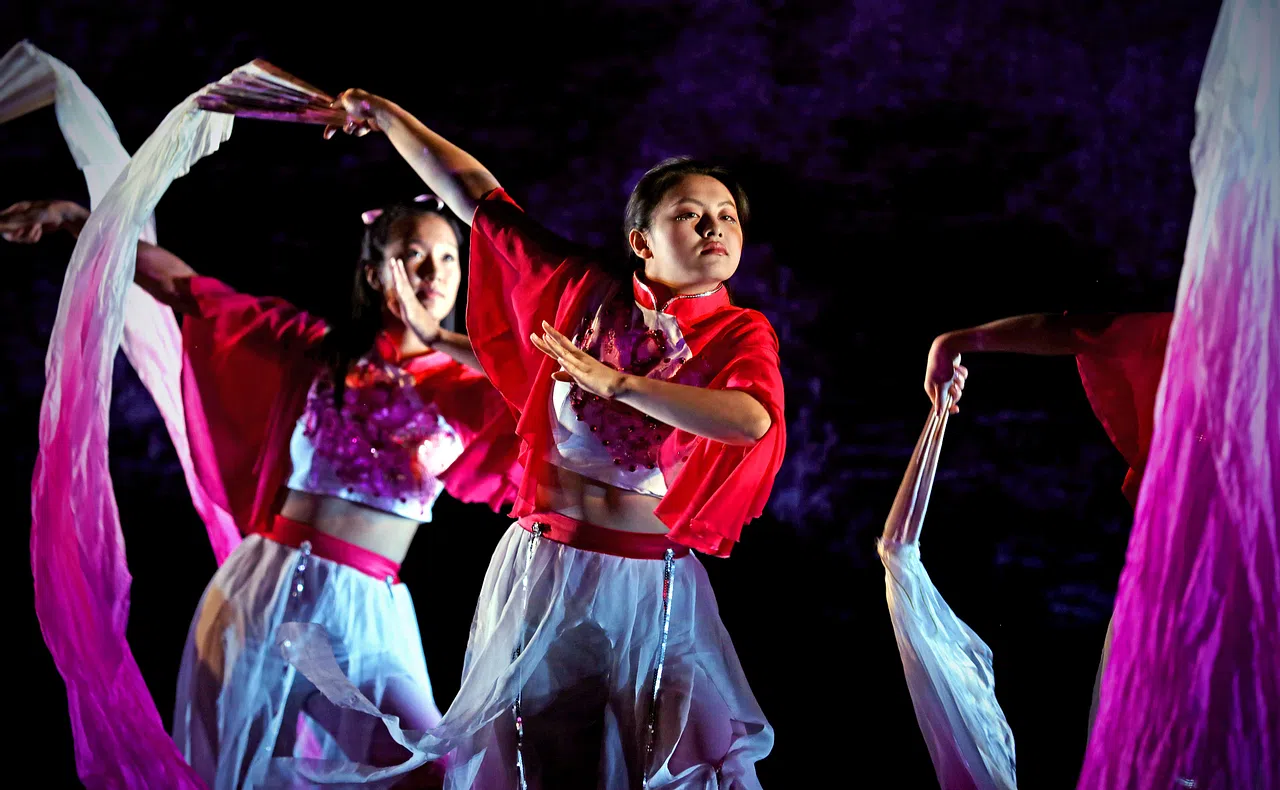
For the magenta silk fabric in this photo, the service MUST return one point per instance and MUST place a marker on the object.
(1191, 696)
(77, 550)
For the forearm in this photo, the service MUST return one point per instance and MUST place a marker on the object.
(158, 271)
(1044, 334)
(454, 175)
(728, 416)
(457, 346)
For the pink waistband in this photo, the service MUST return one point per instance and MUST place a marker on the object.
(601, 540)
(288, 532)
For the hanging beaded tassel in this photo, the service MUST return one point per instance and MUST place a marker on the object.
(298, 583)
(515, 707)
(668, 571)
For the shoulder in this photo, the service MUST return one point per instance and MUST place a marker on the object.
(747, 327)
(500, 220)
(733, 337)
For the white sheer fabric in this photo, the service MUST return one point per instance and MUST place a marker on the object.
(31, 79)
(588, 624)
(239, 702)
(947, 666)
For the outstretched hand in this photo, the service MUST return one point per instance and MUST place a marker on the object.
(28, 221)
(944, 374)
(577, 365)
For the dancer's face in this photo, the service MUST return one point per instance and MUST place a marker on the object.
(429, 248)
(694, 239)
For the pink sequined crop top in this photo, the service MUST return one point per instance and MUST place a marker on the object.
(606, 440)
(385, 448)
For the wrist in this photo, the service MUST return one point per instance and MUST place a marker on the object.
(386, 113)
(624, 384)
(961, 341)
(71, 217)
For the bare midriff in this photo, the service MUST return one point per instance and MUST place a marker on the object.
(373, 530)
(600, 504)
(390, 535)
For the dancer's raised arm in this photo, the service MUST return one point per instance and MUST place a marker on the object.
(453, 174)
(1041, 334)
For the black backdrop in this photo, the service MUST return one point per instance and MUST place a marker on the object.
(913, 166)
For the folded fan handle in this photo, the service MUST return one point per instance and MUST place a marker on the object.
(909, 506)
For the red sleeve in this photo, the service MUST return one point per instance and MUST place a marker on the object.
(487, 470)
(520, 275)
(1120, 369)
(266, 325)
(717, 488)
(246, 361)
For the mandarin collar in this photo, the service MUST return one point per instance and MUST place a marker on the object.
(688, 307)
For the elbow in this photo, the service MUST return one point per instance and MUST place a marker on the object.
(753, 429)
(760, 426)
(168, 291)
(751, 422)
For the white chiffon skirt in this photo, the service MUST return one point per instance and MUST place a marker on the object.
(241, 707)
(573, 637)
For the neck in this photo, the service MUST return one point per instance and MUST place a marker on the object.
(404, 341)
(664, 290)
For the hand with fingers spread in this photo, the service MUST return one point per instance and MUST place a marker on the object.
(944, 374)
(403, 302)
(362, 109)
(28, 221)
(577, 365)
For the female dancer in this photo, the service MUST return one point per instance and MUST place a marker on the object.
(651, 414)
(332, 440)
(1120, 358)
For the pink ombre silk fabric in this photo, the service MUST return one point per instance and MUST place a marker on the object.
(1191, 696)
(77, 551)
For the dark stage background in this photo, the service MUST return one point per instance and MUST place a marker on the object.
(913, 167)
